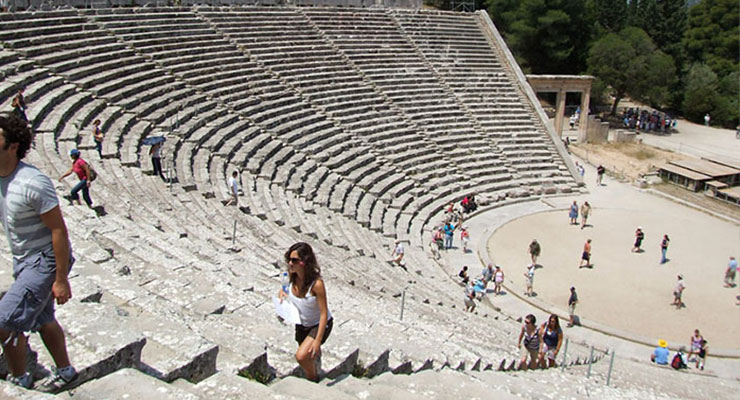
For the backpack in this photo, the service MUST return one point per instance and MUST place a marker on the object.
(677, 362)
(93, 173)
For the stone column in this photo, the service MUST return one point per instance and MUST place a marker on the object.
(585, 103)
(560, 112)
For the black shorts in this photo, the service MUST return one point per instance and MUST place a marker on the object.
(302, 332)
(586, 256)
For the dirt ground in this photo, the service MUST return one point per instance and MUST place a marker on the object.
(630, 161)
(626, 161)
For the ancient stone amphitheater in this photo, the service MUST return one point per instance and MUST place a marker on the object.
(351, 127)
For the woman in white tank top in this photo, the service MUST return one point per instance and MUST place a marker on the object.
(308, 295)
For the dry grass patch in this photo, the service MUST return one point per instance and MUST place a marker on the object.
(626, 160)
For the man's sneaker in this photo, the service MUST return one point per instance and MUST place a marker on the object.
(59, 380)
(25, 380)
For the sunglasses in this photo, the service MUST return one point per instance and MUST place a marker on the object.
(294, 260)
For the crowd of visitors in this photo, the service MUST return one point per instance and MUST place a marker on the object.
(647, 121)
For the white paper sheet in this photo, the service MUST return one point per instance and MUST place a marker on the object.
(286, 310)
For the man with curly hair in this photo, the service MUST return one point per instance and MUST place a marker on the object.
(42, 257)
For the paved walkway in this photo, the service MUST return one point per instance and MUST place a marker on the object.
(698, 141)
(636, 288)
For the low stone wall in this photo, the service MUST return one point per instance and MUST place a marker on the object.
(46, 4)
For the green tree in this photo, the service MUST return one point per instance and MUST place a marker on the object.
(700, 96)
(713, 35)
(546, 36)
(630, 64)
(608, 15)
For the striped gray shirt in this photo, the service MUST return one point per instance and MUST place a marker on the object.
(24, 196)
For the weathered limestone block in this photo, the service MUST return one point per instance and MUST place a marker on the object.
(345, 367)
(428, 364)
(298, 388)
(10, 391)
(404, 368)
(99, 340)
(378, 366)
(130, 384)
(259, 370)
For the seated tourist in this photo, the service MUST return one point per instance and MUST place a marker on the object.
(660, 355)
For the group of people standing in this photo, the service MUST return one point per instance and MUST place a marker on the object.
(585, 213)
(647, 121)
(477, 288)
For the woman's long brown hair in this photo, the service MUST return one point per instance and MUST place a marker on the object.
(313, 271)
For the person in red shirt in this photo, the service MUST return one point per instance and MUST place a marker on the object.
(79, 167)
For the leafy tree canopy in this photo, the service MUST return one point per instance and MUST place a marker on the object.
(546, 36)
(713, 35)
(630, 64)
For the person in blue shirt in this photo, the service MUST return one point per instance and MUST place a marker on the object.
(660, 355)
(449, 232)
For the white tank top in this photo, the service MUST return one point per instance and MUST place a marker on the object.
(308, 308)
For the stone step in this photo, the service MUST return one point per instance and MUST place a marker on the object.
(131, 384)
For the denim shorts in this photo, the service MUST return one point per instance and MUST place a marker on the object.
(29, 303)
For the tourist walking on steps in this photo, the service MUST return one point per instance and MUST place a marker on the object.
(678, 292)
(156, 153)
(82, 170)
(664, 249)
(464, 238)
(308, 295)
(585, 213)
(534, 250)
(573, 213)
(449, 232)
(586, 255)
(469, 297)
(233, 184)
(463, 275)
(529, 275)
(19, 105)
(42, 257)
(572, 301)
(639, 237)
(530, 338)
(730, 272)
(487, 274)
(397, 254)
(498, 280)
(695, 344)
(98, 138)
(551, 337)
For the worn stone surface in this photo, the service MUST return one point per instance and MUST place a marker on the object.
(130, 384)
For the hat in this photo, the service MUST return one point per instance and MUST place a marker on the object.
(662, 343)
(74, 152)
(680, 276)
(639, 227)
